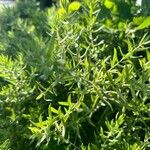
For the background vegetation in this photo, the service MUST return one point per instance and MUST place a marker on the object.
(75, 76)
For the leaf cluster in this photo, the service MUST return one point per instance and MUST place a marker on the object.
(75, 77)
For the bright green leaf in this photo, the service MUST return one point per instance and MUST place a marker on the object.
(64, 103)
(115, 58)
(108, 4)
(54, 110)
(138, 20)
(144, 24)
(61, 12)
(39, 96)
(74, 6)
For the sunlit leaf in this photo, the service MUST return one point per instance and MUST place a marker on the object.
(74, 6)
(61, 12)
(138, 20)
(144, 24)
(64, 103)
(39, 96)
(109, 4)
(54, 110)
(115, 58)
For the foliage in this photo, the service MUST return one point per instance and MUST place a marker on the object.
(77, 79)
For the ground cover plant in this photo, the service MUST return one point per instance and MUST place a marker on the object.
(75, 76)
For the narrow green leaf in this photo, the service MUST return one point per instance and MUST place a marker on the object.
(39, 96)
(148, 55)
(115, 58)
(63, 103)
(69, 100)
(54, 110)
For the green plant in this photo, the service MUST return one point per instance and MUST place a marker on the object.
(83, 84)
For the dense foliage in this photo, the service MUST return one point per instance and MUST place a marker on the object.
(75, 76)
